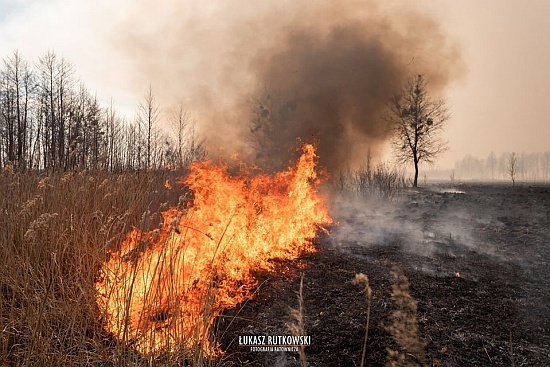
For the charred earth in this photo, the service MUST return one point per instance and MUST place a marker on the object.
(476, 259)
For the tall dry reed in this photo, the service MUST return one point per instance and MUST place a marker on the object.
(54, 233)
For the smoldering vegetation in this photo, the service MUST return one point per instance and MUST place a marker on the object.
(439, 220)
(411, 218)
(260, 76)
(458, 276)
(485, 232)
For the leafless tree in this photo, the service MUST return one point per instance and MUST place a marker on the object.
(491, 164)
(49, 120)
(513, 167)
(196, 148)
(187, 148)
(16, 85)
(8, 111)
(131, 153)
(114, 136)
(179, 123)
(416, 121)
(148, 116)
(56, 89)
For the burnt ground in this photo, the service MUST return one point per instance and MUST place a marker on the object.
(495, 313)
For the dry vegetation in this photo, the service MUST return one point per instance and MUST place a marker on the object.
(404, 325)
(381, 180)
(55, 232)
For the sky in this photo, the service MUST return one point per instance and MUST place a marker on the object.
(498, 95)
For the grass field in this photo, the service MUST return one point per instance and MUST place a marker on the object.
(466, 264)
(55, 231)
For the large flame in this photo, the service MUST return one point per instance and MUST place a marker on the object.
(162, 289)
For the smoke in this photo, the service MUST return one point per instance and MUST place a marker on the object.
(259, 75)
(435, 223)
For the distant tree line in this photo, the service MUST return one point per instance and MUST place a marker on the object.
(532, 167)
(49, 120)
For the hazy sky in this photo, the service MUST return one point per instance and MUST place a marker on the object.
(500, 102)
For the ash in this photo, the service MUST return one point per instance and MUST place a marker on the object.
(476, 259)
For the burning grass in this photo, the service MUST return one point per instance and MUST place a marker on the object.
(59, 234)
(55, 230)
(163, 289)
(93, 275)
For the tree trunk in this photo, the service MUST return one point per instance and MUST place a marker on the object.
(415, 184)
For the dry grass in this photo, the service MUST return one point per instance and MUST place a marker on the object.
(55, 233)
(296, 325)
(382, 181)
(362, 280)
(404, 326)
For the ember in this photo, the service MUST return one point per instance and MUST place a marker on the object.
(163, 289)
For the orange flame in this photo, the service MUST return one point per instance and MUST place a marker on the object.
(162, 289)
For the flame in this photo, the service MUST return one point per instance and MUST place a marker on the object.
(163, 289)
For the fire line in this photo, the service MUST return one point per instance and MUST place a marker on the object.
(162, 290)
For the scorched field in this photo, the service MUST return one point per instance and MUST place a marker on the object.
(437, 276)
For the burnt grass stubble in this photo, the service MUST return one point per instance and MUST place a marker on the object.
(496, 313)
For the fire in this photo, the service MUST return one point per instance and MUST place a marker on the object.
(163, 289)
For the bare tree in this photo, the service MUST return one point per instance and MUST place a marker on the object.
(545, 164)
(131, 153)
(56, 90)
(148, 116)
(8, 112)
(416, 121)
(179, 122)
(18, 95)
(187, 148)
(513, 167)
(48, 120)
(196, 149)
(114, 136)
(491, 164)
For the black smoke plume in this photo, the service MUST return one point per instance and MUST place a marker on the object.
(259, 76)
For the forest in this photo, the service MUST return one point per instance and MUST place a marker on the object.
(50, 120)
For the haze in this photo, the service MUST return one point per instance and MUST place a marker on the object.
(489, 59)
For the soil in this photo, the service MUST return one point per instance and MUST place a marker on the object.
(476, 257)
